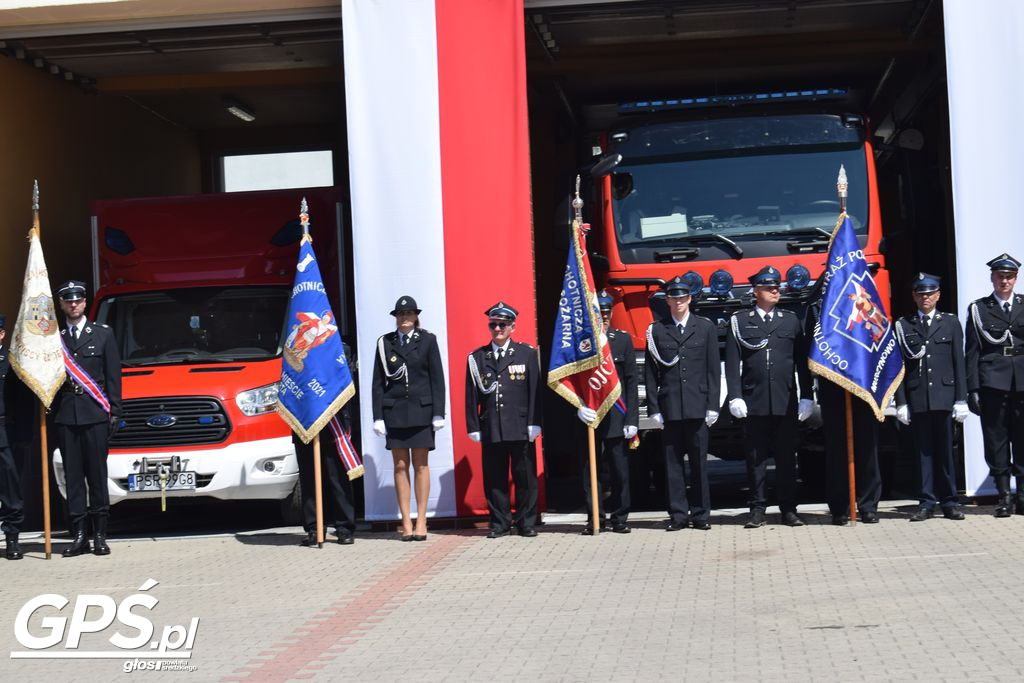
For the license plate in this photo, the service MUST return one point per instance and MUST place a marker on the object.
(176, 481)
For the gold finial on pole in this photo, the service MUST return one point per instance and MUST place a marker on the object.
(304, 217)
(35, 205)
(841, 187)
(577, 203)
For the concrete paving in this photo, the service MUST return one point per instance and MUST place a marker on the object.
(894, 601)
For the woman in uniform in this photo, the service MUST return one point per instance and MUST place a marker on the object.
(408, 406)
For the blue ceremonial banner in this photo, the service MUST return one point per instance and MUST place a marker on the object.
(581, 369)
(316, 380)
(854, 343)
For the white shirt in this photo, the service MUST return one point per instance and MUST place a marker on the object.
(1002, 301)
(761, 312)
(80, 326)
(686, 319)
(495, 348)
(926, 318)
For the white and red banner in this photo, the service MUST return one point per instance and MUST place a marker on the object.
(439, 165)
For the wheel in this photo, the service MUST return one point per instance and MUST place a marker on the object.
(291, 507)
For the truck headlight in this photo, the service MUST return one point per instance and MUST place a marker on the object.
(258, 401)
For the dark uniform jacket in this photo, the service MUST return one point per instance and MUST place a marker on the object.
(96, 351)
(5, 367)
(691, 387)
(937, 380)
(764, 378)
(413, 400)
(505, 413)
(629, 379)
(987, 364)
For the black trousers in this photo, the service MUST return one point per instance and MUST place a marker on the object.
(497, 457)
(12, 506)
(865, 451)
(687, 438)
(771, 436)
(1002, 427)
(339, 509)
(84, 450)
(610, 452)
(933, 441)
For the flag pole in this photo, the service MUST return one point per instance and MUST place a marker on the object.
(318, 495)
(842, 186)
(594, 509)
(43, 445)
(319, 492)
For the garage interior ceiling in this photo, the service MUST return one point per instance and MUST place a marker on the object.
(290, 72)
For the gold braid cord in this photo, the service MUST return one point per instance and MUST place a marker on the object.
(307, 434)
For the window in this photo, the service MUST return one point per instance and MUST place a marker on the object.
(278, 171)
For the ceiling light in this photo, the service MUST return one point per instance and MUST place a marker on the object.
(240, 111)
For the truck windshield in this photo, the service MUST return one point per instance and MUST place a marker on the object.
(763, 183)
(204, 324)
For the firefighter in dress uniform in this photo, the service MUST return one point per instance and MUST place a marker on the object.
(503, 414)
(615, 429)
(995, 379)
(338, 497)
(12, 508)
(83, 425)
(765, 360)
(408, 406)
(682, 374)
(933, 394)
(832, 400)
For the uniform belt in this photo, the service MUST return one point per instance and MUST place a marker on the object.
(1013, 350)
(74, 388)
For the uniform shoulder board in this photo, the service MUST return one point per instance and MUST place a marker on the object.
(524, 346)
(751, 314)
(424, 331)
(104, 326)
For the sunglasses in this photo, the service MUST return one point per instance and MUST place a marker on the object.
(495, 325)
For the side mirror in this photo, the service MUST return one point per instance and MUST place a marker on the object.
(605, 166)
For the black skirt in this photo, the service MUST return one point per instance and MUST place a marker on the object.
(410, 437)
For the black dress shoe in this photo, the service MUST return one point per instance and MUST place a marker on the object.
(840, 520)
(346, 539)
(528, 532)
(13, 547)
(954, 513)
(1018, 506)
(921, 514)
(419, 537)
(587, 531)
(497, 533)
(676, 526)
(79, 542)
(756, 520)
(99, 536)
(620, 528)
(309, 541)
(790, 518)
(869, 517)
(1004, 506)
(701, 524)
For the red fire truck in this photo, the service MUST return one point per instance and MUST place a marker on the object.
(718, 187)
(196, 292)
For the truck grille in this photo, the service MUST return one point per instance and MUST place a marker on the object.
(147, 423)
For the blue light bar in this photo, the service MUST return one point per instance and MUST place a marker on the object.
(720, 283)
(732, 100)
(798, 277)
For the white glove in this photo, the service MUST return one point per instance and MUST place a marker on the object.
(903, 414)
(532, 432)
(379, 429)
(960, 411)
(711, 417)
(738, 408)
(474, 437)
(628, 432)
(659, 419)
(586, 415)
(437, 422)
(804, 409)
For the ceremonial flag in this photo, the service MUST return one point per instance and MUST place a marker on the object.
(36, 349)
(581, 369)
(854, 342)
(316, 380)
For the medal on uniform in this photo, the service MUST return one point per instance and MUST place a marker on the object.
(393, 359)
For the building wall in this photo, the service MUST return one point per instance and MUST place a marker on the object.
(81, 147)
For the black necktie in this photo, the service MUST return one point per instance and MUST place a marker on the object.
(1006, 307)
(927, 320)
(74, 332)
(680, 327)
(405, 340)
(501, 353)
(768, 318)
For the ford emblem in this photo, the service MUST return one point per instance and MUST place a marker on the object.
(159, 421)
